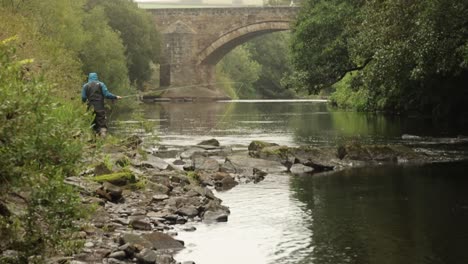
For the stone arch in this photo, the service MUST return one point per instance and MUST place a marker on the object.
(224, 44)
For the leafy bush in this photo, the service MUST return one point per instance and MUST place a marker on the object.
(40, 144)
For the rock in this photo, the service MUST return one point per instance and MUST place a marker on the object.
(140, 223)
(84, 186)
(160, 197)
(113, 261)
(147, 256)
(210, 142)
(89, 244)
(205, 164)
(132, 142)
(240, 163)
(409, 137)
(166, 154)
(188, 210)
(155, 162)
(135, 241)
(299, 169)
(178, 162)
(215, 216)
(157, 188)
(281, 154)
(119, 178)
(77, 262)
(258, 145)
(188, 262)
(165, 259)
(118, 254)
(203, 191)
(189, 228)
(224, 181)
(162, 241)
(115, 192)
(321, 159)
(190, 152)
(101, 169)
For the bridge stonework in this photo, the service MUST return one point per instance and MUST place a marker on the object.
(194, 40)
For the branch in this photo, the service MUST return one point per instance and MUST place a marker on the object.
(353, 69)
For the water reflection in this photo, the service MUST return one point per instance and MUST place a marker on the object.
(266, 225)
(289, 122)
(388, 214)
(372, 215)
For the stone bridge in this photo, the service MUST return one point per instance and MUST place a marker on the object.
(194, 40)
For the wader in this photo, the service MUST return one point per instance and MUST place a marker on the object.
(96, 102)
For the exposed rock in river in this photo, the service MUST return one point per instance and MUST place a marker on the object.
(142, 197)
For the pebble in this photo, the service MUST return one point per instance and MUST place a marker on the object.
(89, 244)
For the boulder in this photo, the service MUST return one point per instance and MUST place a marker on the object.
(299, 169)
(240, 163)
(147, 256)
(205, 164)
(135, 241)
(189, 153)
(161, 241)
(210, 142)
(154, 162)
(258, 145)
(215, 216)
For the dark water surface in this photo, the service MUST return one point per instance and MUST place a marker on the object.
(376, 215)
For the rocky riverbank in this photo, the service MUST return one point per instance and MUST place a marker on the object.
(143, 195)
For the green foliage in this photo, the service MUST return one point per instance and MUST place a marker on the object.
(104, 53)
(58, 64)
(271, 52)
(347, 97)
(319, 44)
(40, 144)
(193, 177)
(138, 35)
(409, 55)
(240, 67)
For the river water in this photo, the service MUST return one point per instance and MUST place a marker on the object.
(376, 215)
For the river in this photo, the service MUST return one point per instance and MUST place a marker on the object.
(376, 215)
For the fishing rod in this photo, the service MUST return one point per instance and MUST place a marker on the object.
(178, 87)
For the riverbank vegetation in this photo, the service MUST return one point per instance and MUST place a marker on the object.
(47, 48)
(395, 56)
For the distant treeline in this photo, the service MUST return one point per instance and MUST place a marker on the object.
(385, 55)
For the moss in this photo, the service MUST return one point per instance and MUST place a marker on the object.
(119, 178)
(193, 177)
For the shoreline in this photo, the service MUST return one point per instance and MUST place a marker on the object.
(143, 199)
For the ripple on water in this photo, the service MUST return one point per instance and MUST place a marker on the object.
(266, 225)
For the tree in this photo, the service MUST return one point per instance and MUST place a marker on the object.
(271, 52)
(139, 36)
(403, 55)
(104, 52)
(240, 67)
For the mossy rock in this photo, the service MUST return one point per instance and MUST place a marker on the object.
(119, 178)
(257, 145)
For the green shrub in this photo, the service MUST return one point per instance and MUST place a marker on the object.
(41, 142)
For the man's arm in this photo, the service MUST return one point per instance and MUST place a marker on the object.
(108, 94)
(83, 94)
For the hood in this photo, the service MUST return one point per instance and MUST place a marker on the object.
(92, 77)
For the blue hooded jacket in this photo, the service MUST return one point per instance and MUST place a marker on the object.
(93, 77)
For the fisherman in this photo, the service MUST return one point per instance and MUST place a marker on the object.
(93, 93)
